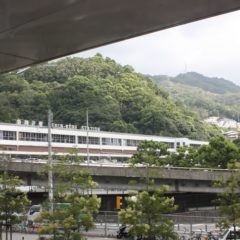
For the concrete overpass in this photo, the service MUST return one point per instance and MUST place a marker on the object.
(116, 178)
(33, 31)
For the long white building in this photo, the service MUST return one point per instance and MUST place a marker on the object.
(31, 140)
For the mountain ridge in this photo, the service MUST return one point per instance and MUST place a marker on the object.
(210, 84)
(223, 102)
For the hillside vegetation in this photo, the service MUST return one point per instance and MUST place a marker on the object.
(117, 98)
(205, 96)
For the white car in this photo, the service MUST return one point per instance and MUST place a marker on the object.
(33, 212)
(229, 234)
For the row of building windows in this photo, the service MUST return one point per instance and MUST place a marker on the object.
(63, 138)
(33, 137)
(91, 140)
(43, 137)
(112, 141)
(8, 135)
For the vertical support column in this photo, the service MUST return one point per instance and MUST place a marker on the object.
(50, 163)
(191, 230)
(100, 147)
(29, 179)
(88, 159)
(17, 139)
(6, 224)
(1, 226)
(10, 231)
(105, 226)
(76, 141)
(175, 145)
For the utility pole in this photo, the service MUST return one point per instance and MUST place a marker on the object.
(88, 160)
(50, 162)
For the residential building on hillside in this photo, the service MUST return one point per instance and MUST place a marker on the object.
(231, 135)
(223, 122)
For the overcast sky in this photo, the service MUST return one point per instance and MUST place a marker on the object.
(210, 47)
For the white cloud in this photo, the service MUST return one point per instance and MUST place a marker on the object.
(210, 47)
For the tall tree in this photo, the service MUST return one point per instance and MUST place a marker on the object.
(150, 154)
(145, 211)
(73, 206)
(145, 215)
(13, 202)
(229, 202)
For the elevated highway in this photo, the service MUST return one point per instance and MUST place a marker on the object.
(191, 187)
(117, 177)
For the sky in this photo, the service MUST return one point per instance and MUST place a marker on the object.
(210, 47)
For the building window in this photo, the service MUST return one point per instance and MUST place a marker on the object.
(94, 140)
(131, 142)
(193, 145)
(8, 135)
(91, 140)
(34, 137)
(82, 140)
(63, 138)
(169, 144)
(111, 141)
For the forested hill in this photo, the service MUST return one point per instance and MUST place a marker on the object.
(213, 85)
(205, 96)
(117, 98)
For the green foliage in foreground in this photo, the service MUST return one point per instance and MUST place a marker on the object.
(145, 215)
(229, 202)
(67, 223)
(13, 202)
(145, 210)
(71, 191)
(149, 154)
(118, 98)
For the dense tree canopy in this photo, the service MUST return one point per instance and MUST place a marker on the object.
(150, 153)
(184, 157)
(118, 98)
(219, 153)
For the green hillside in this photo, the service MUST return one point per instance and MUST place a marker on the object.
(221, 98)
(213, 85)
(117, 98)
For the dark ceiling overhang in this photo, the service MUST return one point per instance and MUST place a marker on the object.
(33, 31)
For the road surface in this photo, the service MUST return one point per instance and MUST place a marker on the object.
(25, 236)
